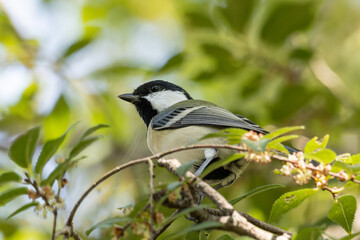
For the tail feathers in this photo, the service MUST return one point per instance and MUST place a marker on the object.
(291, 150)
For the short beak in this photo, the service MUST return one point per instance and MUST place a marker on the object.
(129, 97)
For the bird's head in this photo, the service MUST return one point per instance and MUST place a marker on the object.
(153, 97)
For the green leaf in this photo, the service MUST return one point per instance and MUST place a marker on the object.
(60, 169)
(9, 177)
(174, 185)
(345, 157)
(281, 131)
(93, 129)
(324, 156)
(221, 163)
(237, 13)
(198, 19)
(108, 223)
(258, 146)
(289, 201)
(343, 211)
(77, 46)
(309, 233)
(350, 237)
(138, 207)
(173, 63)
(193, 236)
(23, 147)
(83, 144)
(232, 135)
(256, 191)
(225, 237)
(58, 121)
(314, 144)
(350, 184)
(302, 54)
(281, 139)
(278, 147)
(337, 166)
(23, 208)
(276, 143)
(224, 58)
(49, 149)
(292, 16)
(355, 168)
(182, 213)
(180, 171)
(350, 169)
(11, 194)
(355, 159)
(119, 69)
(196, 227)
(234, 131)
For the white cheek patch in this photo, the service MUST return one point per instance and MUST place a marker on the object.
(165, 99)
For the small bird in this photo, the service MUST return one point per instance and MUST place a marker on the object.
(174, 119)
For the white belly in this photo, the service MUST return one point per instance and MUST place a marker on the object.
(174, 138)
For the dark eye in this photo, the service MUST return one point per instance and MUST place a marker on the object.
(155, 88)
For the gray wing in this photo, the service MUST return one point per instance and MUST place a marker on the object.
(202, 115)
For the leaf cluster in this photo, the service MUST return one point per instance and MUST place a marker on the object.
(21, 152)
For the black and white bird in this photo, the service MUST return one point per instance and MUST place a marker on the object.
(174, 119)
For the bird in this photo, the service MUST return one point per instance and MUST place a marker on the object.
(174, 119)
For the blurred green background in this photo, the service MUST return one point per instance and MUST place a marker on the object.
(277, 62)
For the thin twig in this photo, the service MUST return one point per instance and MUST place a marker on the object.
(264, 225)
(103, 178)
(55, 213)
(184, 148)
(36, 187)
(151, 203)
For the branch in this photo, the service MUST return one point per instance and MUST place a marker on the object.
(238, 223)
(321, 169)
(238, 148)
(231, 219)
(256, 222)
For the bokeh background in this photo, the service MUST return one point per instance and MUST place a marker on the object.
(278, 62)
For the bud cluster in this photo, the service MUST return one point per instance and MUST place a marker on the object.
(142, 227)
(302, 171)
(258, 157)
(253, 136)
(297, 168)
(251, 155)
(51, 201)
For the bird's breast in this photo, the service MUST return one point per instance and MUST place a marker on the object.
(163, 140)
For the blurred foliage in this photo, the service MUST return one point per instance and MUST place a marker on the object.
(279, 63)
